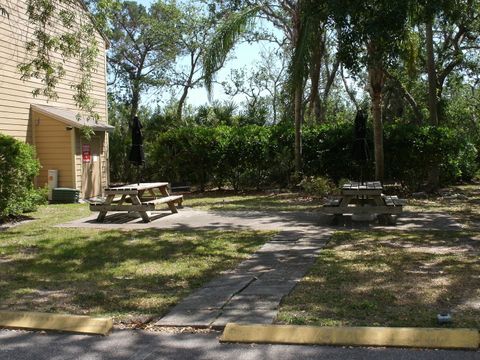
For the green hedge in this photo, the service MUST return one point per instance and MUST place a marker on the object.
(18, 167)
(410, 151)
(257, 156)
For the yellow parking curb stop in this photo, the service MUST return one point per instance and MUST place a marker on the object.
(55, 322)
(435, 338)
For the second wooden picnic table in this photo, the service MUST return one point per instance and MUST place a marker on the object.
(141, 197)
(366, 199)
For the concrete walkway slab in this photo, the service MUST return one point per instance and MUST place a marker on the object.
(252, 292)
(196, 318)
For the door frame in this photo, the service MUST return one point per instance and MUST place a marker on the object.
(96, 143)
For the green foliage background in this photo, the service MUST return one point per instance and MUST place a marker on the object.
(18, 167)
(253, 157)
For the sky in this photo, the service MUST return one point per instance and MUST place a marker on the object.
(244, 55)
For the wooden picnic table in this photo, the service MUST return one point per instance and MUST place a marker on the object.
(142, 198)
(365, 199)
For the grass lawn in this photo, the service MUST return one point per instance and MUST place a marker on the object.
(466, 210)
(118, 273)
(390, 279)
(261, 201)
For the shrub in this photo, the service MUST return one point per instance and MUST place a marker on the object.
(244, 159)
(317, 185)
(185, 154)
(328, 151)
(410, 151)
(256, 156)
(18, 167)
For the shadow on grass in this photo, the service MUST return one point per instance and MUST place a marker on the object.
(386, 279)
(114, 272)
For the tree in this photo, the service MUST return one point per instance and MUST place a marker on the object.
(284, 14)
(451, 32)
(370, 33)
(197, 27)
(261, 87)
(76, 40)
(322, 64)
(144, 44)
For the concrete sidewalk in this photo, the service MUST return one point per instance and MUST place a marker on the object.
(252, 292)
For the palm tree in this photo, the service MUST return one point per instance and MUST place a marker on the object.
(228, 34)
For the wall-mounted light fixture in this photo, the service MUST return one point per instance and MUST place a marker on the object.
(68, 128)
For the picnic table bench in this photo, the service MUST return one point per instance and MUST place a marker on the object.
(141, 198)
(365, 199)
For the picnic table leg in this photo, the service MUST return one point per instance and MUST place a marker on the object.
(172, 207)
(171, 204)
(387, 219)
(143, 214)
(336, 220)
(102, 214)
(346, 199)
(384, 219)
(163, 191)
(152, 193)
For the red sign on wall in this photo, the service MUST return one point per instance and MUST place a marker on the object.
(86, 153)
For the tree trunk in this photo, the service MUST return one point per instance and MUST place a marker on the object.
(408, 98)
(376, 79)
(298, 130)
(434, 171)
(297, 95)
(322, 108)
(350, 93)
(181, 102)
(274, 106)
(320, 111)
(316, 66)
(135, 101)
(432, 74)
(193, 64)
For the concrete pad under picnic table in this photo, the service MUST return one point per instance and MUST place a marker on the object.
(306, 221)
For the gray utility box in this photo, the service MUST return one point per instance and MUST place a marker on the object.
(65, 196)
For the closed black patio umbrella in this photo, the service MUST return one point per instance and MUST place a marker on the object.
(137, 156)
(360, 146)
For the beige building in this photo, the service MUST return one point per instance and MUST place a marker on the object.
(53, 126)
